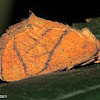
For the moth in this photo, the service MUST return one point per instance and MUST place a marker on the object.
(38, 46)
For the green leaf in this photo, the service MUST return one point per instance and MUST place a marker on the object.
(79, 84)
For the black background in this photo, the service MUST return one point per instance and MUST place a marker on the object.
(66, 12)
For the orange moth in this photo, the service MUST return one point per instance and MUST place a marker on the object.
(37, 46)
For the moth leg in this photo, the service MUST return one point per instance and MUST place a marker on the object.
(70, 67)
(88, 62)
(97, 62)
(98, 59)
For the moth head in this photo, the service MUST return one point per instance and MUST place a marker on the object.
(36, 21)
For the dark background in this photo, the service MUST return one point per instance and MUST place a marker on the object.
(66, 12)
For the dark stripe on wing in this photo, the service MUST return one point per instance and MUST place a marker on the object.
(20, 57)
(38, 42)
(47, 30)
(51, 52)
